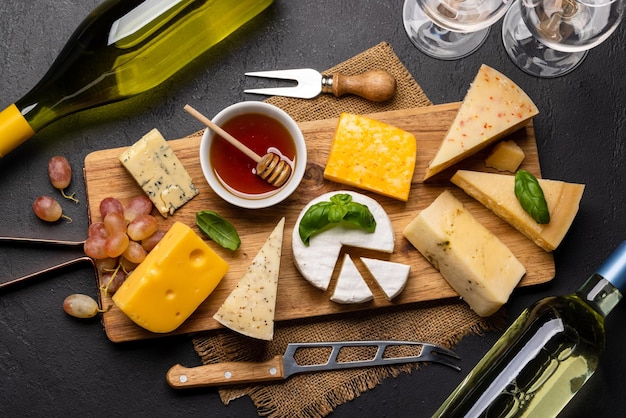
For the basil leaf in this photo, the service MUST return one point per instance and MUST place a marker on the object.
(530, 195)
(218, 229)
(340, 209)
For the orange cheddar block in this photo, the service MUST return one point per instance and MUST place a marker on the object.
(372, 155)
(173, 280)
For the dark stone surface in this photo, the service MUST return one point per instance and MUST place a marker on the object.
(52, 365)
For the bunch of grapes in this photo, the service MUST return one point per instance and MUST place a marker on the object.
(122, 239)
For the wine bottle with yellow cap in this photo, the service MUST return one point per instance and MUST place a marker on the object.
(121, 49)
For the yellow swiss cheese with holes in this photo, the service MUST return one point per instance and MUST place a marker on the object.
(372, 155)
(173, 280)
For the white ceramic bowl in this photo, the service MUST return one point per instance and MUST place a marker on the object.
(268, 199)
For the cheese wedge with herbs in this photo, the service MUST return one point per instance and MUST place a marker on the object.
(173, 280)
(497, 192)
(157, 170)
(372, 155)
(316, 262)
(250, 307)
(505, 156)
(478, 266)
(390, 276)
(351, 287)
(493, 107)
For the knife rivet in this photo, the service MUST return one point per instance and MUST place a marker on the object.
(228, 375)
(183, 378)
(273, 371)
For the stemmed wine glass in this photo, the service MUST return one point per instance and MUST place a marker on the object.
(451, 29)
(549, 38)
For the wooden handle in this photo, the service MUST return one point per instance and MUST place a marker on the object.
(228, 373)
(231, 139)
(375, 85)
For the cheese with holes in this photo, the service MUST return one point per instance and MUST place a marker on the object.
(172, 281)
(505, 156)
(497, 192)
(317, 261)
(351, 287)
(493, 107)
(161, 175)
(250, 307)
(373, 156)
(390, 276)
(478, 266)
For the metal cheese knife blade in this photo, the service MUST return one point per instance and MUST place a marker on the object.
(281, 367)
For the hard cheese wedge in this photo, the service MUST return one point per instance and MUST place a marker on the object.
(390, 276)
(478, 266)
(173, 280)
(157, 170)
(497, 192)
(373, 156)
(249, 309)
(505, 156)
(493, 107)
(317, 261)
(351, 287)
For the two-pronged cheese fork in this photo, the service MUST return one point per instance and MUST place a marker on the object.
(374, 85)
(281, 367)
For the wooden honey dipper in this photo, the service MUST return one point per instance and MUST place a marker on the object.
(269, 167)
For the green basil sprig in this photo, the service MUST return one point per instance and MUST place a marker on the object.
(340, 209)
(530, 195)
(218, 229)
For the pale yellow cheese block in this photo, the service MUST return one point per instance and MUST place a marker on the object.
(173, 280)
(250, 307)
(493, 107)
(505, 156)
(497, 192)
(372, 155)
(478, 266)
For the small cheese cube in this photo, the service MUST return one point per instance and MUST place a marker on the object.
(173, 280)
(478, 266)
(157, 170)
(505, 156)
(373, 156)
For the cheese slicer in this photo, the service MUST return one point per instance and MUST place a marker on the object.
(282, 366)
(373, 85)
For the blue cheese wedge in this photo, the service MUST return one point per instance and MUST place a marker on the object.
(390, 276)
(478, 266)
(250, 307)
(157, 170)
(351, 287)
(317, 261)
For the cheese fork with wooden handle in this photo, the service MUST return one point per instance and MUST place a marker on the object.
(373, 85)
(281, 367)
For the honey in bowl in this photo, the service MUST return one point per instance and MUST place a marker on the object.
(235, 170)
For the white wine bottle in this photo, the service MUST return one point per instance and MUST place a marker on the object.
(547, 354)
(122, 48)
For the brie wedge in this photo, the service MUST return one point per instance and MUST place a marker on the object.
(351, 287)
(390, 276)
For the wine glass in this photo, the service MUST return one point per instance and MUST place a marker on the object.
(549, 38)
(451, 29)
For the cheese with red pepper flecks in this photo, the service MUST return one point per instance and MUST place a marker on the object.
(493, 108)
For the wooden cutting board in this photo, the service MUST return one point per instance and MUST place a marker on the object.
(105, 176)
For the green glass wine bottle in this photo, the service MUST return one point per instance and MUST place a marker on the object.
(547, 354)
(121, 49)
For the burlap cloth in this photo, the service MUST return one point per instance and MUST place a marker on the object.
(317, 394)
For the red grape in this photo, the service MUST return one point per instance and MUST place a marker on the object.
(94, 248)
(149, 243)
(142, 227)
(80, 306)
(113, 280)
(138, 205)
(114, 222)
(97, 229)
(116, 244)
(60, 175)
(134, 252)
(110, 205)
(47, 209)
